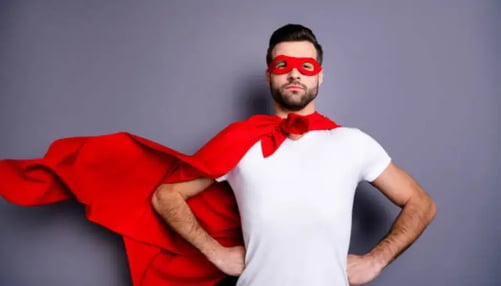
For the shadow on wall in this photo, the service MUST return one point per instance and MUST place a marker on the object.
(256, 98)
(372, 218)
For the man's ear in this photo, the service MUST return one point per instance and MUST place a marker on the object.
(267, 76)
(320, 77)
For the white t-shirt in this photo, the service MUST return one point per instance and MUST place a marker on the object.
(296, 206)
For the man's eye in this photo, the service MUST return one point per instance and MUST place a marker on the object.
(308, 66)
(280, 65)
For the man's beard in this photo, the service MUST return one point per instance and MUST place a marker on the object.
(294, 100)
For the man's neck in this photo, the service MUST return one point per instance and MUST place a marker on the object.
(282, 112)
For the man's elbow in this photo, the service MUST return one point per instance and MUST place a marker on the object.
(429, 207)
(432, 209)
(161, 197)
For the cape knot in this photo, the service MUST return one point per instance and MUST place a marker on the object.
(294, 124)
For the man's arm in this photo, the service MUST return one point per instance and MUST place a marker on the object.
(169, 201)
(418, 209)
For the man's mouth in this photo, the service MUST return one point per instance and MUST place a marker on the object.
(293, 87)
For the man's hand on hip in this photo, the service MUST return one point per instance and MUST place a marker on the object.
(230, 260)
(361, 269)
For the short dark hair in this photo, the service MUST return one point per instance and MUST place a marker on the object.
(293, 33)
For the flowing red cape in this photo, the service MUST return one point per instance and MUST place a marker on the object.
(115, 175)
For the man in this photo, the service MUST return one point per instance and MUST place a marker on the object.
(296, 204)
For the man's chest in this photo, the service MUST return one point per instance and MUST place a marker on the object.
(314, 175)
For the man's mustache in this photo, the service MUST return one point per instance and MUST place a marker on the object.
(295, 83)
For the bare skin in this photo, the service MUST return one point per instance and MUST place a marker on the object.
(169, 200)
(417, 208)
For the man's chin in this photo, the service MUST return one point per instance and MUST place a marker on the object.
(293, 92)
(291, 100)
(292, 106)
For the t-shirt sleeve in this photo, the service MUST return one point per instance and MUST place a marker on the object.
(374, 159)
(222, 178)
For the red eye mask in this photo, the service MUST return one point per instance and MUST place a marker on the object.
(284, 64)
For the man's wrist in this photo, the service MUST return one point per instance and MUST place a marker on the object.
(377, 261)
(211, 251)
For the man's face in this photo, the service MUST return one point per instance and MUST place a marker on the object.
(296, 88)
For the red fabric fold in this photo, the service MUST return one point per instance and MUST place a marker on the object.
(115, 175)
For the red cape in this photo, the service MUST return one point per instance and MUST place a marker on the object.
(115, 175)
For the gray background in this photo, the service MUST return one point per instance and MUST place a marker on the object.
(422, 77)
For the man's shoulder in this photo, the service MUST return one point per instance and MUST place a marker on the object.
(231, 143)
(347, 131)
(351, 135)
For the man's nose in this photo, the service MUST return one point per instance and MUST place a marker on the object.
(294, 74)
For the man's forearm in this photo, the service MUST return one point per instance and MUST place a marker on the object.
(172, 207)
(414, 217)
